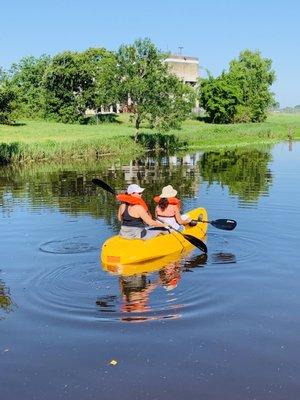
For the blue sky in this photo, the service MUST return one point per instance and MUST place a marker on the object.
(215, 31)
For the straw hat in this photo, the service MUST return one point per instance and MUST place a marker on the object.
(168, 191)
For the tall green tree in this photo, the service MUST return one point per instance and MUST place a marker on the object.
(242, 94)
(220, 98)
(26, 79)
(157, 96)
(8, 97)
(76, 81)
(254, 76)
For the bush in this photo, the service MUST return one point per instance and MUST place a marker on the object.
(8, 151)
(7, 104)
(99, 119)
(242, 114)
(159, 141)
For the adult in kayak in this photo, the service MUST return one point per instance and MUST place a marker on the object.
(134, 215)
(168, 209)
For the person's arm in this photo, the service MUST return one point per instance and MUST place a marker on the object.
(179, 219)
(148, 220)
(120, 212)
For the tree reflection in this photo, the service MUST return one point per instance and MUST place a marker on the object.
(69, 187)
(73, 192)
(245, 172)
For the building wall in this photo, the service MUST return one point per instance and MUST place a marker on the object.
(186, 68)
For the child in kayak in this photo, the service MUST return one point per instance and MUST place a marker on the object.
(134, 215)
(168, 209)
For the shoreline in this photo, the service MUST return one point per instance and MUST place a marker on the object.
(45, 142)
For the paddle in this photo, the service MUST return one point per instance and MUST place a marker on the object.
(192, 239)
(104, 186)
(225, 224)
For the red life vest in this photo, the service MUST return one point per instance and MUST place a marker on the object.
(171, 200)
(132, 200)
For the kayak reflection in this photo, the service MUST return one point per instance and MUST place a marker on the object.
(138, 282)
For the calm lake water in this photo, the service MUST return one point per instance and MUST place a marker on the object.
(225, 326)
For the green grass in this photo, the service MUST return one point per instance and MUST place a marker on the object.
(51, 141)
(276, 128)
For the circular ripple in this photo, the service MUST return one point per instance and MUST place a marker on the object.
(67, 246)
(67, 292)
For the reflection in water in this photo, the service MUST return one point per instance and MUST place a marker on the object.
(245, 172)
(223, 258)
(6, 303)
(135, 291)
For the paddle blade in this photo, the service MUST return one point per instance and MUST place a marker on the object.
(225, 224)
(103, 185)
(196, 242)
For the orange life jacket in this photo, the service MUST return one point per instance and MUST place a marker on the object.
(132, 200)
(171, 200)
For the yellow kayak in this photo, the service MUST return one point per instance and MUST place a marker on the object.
(117, 252)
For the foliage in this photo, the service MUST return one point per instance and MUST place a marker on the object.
(74, 82)
(220, 98)
(254, 76)
(242, 94)
(245, 172)
(157, 96)
(8, 151)
(8, 102)
(159, 141)
(26, 79)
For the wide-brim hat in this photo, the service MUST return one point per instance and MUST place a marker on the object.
(168, 191)
(134, 188)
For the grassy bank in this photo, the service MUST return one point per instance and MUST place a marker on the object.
(277, 127)
(45, 141)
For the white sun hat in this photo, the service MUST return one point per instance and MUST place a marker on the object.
(168, 191)
(134, 188)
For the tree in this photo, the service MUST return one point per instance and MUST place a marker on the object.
(242, 94)
(26, 79)
(220, 98)
(254, 75)
(76, 81)
(8, 98)
(157, 96)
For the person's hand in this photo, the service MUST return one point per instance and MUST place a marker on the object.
(193, 222)
(167, 227)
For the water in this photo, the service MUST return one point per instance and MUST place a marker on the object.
(225, 325)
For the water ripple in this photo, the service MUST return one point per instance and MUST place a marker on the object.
(67, 246)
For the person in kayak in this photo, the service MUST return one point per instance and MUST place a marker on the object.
(168, 209)
(134, 215)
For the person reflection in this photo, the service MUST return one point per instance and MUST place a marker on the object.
(135, 291)
(170, 275)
